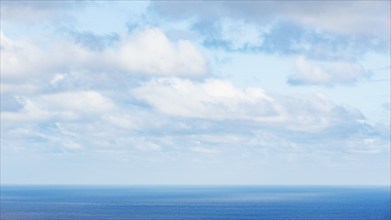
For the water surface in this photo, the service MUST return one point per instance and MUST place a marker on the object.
(194, 202)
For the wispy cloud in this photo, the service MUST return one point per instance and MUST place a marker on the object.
(315, 30)
(341, 17)
(327, 72)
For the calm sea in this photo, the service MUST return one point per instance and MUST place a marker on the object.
(188, 202)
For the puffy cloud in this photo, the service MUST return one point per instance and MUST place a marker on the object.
(26, 61)
(326, 73)
(147, 51)
(17, 58)
(219, 100)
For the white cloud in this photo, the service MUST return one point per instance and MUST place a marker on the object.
(24, 60)
(78, 101)
(56, 79)
(326, 72)
(220, 100)
(144, 51)
(17, 58)
(61, 106)
(214, 99)
(149, 51)
(31, 111)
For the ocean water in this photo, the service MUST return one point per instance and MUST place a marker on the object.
(194, 202)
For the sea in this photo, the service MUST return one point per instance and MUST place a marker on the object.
(194, 202)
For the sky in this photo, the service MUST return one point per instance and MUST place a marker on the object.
(195, 92)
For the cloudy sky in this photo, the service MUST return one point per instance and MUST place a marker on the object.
(236, 92)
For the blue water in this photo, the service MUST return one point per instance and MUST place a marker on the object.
(188, 202)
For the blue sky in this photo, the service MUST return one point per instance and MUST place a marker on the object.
(236, 92)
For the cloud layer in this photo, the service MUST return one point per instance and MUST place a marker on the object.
(195, 92)
(342, 17)
(220, 100)
(339, 34)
